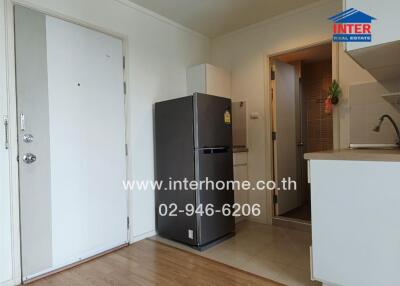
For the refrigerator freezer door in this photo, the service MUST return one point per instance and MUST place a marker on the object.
(212, 121)
(216, 166)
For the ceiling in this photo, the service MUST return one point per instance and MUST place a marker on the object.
(214, 18)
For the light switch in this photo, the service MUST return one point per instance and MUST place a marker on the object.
(254, 115)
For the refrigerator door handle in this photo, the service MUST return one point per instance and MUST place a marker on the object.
(214, 150)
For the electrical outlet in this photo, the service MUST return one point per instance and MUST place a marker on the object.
(190, 234)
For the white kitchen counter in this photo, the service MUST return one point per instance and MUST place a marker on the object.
(355, 198)
(385, 155)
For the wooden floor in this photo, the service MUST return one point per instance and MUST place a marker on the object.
(152, 263)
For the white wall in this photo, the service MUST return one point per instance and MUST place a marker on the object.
(244, 53)
(349, 73)
(159, 52)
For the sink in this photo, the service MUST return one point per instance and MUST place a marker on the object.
(374, 146)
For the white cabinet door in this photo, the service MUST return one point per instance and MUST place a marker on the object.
(240, 171)
(196, 79)
(385, 28)
(218, 81)
(356, 225)
(209, 79)
(240, 174)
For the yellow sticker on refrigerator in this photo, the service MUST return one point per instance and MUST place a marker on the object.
(227, 117)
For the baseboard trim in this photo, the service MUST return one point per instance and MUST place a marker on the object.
(296, 224)
(9, 283)
(61, 269)
(145, 235)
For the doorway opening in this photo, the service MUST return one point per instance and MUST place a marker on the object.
(299, 86)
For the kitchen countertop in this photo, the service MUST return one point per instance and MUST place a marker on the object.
(384, 155)
(240, 149)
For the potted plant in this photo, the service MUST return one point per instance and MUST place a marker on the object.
(334, 92)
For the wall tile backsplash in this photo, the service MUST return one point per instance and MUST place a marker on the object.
(316, 78)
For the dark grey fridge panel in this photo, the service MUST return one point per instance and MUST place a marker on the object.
(174, 158)
(193, 140)
(216, 165)
(212, 121)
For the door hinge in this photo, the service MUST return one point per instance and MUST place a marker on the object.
(272, 75)
(125, 87)
(275, 199)
(128, 222)
(126, 149)
(273, 135)
(123, 62)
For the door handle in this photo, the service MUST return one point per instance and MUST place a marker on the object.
(29, 158)
(22, 121)
(214, 150)
(6, 140)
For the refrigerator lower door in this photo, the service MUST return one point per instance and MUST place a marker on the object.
(216, 165)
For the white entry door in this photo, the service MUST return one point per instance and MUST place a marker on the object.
(71, 142)
(285, 143)
(6, 243)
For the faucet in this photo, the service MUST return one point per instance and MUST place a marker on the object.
(378, 127)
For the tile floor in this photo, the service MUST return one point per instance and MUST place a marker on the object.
(302, 212)
(277, 253)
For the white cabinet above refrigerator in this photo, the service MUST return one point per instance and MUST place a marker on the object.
(208, 79)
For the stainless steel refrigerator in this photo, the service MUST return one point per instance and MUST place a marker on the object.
(193, 141)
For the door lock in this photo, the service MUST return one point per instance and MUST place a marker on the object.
(28, 138)
(29, 158)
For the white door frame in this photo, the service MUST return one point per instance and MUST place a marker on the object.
(12, 115)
